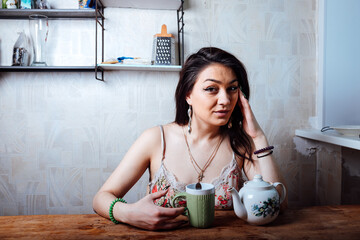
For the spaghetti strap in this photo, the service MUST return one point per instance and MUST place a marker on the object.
(163, 144)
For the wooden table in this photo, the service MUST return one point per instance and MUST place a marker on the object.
(319, 222)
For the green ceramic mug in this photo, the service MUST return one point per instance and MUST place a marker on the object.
(200, 204)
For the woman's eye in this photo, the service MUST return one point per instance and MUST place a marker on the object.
(233, 88)
(210, 89)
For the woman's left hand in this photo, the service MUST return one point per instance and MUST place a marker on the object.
(250, 125)
(267, 166)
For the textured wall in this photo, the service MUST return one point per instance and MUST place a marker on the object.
(328, 175)
(62, 134)
(350, 191)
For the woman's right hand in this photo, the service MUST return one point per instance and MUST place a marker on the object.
(146, 215)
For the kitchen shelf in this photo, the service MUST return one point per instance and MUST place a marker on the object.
(53, 14)
(98, 15)
(177, 5)
(331, 137)
(144, 4)
(47, 69)
(117, 67)
(50, 13)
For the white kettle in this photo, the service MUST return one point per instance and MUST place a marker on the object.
(257, 202)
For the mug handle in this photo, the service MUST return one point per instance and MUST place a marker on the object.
(172, 202)
(283, 191)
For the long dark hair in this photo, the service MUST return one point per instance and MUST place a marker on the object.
(195, 63)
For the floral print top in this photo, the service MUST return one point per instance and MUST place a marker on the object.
(231, 176)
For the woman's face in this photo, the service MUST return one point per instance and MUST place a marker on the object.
(214, 95)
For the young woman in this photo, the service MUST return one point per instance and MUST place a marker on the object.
(215, 138)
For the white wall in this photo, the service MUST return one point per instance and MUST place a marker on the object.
(62, 134)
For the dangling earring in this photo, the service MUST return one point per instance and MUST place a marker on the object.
(229, 123)
(189, 114)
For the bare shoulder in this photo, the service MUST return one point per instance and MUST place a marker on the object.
(150, 139)
(151, 136)
(173, 128)
(144, 149)
(173, 132)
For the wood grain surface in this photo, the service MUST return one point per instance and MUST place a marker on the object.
(318, 222)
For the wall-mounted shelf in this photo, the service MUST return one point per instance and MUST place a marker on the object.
(98, 15)
(47, 69)
(53, 14)
(50, 13)
(144, 4)
(330, 137)
(117, 67)
(177, 5)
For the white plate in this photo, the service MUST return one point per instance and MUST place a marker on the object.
(348, 130)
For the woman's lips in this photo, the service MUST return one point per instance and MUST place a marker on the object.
(222, 113)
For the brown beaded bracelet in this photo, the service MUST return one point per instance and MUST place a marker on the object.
(264, 149)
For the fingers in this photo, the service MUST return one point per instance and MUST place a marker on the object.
(158, 194)
(161, 225)
(241, 94)
(171, 212)
(168, 222)
(244, 105)
(163, 212)
(157, 224)
(164, 218)
(242, 99)
(172, 225)
(249, 122)
(167, 218)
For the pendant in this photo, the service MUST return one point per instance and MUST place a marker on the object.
(201, 176)
(198, 184)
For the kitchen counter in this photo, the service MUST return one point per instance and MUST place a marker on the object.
(318, 222)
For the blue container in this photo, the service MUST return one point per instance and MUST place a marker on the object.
(25, 4)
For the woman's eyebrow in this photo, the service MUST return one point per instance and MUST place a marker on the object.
(219, 82)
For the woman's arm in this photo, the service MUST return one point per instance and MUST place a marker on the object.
(144, 213)
(266, 166)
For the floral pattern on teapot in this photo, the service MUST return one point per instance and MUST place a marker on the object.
(269, 207)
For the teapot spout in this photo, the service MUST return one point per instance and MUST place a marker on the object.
(238, 204)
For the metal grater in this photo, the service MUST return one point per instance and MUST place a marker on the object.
(163, 48)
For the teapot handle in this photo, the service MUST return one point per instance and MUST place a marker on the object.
(283, 191)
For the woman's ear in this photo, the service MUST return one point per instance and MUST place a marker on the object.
(188, 98)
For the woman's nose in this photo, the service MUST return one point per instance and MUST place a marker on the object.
(224, 98)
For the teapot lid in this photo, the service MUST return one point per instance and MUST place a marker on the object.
(258, 182)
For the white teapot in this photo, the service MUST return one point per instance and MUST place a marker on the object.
(257, 202)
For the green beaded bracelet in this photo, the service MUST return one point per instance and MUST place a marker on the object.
(112, 207)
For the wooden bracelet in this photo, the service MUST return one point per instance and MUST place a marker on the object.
(264, 149)
(269, 153)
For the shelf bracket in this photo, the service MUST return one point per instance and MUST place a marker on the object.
(180, 20)
(99, 11)
(97, 70)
